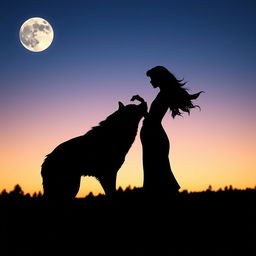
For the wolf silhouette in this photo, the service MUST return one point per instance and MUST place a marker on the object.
(99, 153)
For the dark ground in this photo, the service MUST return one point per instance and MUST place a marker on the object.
(206, 223)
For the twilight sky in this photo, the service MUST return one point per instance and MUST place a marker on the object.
(99, 55)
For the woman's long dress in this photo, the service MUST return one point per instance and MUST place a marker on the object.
(158, 176)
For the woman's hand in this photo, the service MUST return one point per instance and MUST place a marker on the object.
(143, 103)
(137, 97)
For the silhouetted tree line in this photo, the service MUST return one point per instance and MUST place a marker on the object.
(18, 193)
(101, 225)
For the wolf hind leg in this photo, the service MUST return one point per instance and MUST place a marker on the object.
(64, 187)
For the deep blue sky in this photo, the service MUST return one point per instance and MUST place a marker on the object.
(118, 38)
(100, 53)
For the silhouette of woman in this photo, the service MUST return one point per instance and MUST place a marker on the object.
(158, 176)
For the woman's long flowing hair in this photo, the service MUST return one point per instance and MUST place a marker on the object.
(177, 95)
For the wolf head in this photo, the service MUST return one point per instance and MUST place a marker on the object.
(131, 113)
(125, 118)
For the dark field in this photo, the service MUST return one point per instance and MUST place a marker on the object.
(205, 223)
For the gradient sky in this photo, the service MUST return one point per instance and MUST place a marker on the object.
(100, 53)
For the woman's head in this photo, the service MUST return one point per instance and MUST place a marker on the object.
(161, 77)
(178, 97)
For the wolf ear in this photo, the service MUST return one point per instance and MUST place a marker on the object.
(120, 104)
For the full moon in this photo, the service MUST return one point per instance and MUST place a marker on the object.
(36, 34)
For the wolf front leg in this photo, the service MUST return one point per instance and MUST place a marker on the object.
(108, 182)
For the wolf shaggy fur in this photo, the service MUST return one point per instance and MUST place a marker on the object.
(99, 153)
